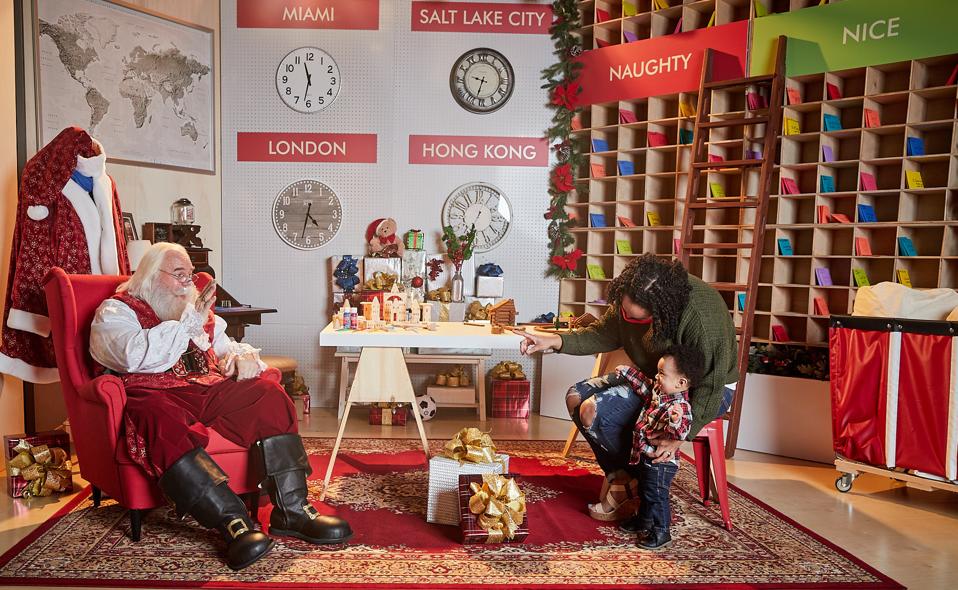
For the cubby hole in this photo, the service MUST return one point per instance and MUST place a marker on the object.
(850, 83)
(876, 269)
(606, 10)
(572, 291)
(951, 206)
(602, 167)
(729, 180)
(670, 132)
(789, 299)
(638, 108)
(776, 6)
(922, 206)
(660, 186)
(923, 274)
(752, 184)
(727, 101)
(602, 190)
(931, 105)
(933, 138)
(839, 269)
(604, 262)
(887, 175)
(696, 15)
(808, 117)
(841, 148)
(633, 212)
(886, 78)
(833, 240)
(835, 299)
(587, 13)
(630, 188)
(595, 293)
(885, 205)
(665, 210)
(604, 140)
(794, 210)
(633, 137)
(632, 237)
(883, 143)
(799, 149)
(928, 241)
(934, 174)
(719, 268)
(664, 107)
(659, 241)
(715, 217)
(933, 72)
(800, 240)
(844, 177)
(848, 111)
(795, 327)
(637, 28)
(604, 115)
(585, 38)
(631, 164)
(950, 246)
(882, 240)
(660, 160)
(760, 324)
(607, 34)
(843, 204)
(600, 215)
(892, 109)
(584, 118)
(949, 274)
(666, 21)
(810, 88)
(730, 11)
(805, 177)
(792, 271)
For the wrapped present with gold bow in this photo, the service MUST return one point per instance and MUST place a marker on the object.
(469, 452)
(38, 464)
(492, 509)
(387, 414)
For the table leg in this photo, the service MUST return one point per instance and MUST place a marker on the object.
(343, 380)
(481, 388)
(332, 457)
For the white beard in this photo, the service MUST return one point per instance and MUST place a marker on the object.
(169, 305)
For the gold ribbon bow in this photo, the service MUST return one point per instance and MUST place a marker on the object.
(499, 506)
(47, 468)
(471, 444)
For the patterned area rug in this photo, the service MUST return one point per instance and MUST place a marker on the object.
(380, 487)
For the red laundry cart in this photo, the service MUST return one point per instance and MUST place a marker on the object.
(894, 386)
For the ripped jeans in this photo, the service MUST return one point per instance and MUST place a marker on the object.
(617, 408)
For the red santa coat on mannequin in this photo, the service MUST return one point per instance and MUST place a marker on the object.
(58, 224)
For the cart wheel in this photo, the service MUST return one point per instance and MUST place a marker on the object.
(844, 483)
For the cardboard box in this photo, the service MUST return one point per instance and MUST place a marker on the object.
(490, 286)
(17, 484)
(472, 533)
(442, 506)
(510, 398)
(453, 396)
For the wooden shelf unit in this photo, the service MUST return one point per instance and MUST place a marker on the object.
(912, 100)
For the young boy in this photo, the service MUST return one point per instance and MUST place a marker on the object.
(665, 410)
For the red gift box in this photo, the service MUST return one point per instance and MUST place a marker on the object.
(16, 484)
(510, 398)
(387, 416)
(472, 533)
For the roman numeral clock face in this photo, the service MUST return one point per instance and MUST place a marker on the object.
(482, 205)
(307, 214)
(481, 80)
(308, 80)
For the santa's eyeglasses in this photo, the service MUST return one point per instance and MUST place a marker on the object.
(185, 279)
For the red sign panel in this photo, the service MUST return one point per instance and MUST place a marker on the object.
(664, 65)
(481, 17)
(478, 151)
(306, 147)
(307, 14)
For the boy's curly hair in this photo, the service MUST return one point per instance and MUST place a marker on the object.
(689, 361)
(660, 286)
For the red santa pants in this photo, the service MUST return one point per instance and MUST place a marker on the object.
(172, 422)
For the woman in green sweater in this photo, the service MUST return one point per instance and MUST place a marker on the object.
(653, 304)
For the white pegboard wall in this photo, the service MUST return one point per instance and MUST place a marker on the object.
(395, 83)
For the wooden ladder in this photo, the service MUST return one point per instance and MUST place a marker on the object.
(695, 217)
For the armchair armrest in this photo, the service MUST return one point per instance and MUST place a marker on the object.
(107, 391)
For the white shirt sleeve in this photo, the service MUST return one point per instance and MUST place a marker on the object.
(118, 342)
(225, 347)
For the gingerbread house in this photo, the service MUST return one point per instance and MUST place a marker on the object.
(503, 313)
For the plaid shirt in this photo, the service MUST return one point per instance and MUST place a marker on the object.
(668, 413)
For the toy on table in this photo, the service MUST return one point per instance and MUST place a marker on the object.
(502, 314)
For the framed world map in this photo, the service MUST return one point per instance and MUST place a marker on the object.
(139, 83)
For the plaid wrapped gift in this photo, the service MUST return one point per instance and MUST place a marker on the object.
(442, 506)
(510, 399)
(472, 532)
(393, 416)
(46, 461)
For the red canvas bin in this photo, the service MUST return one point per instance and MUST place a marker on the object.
(510, 398)
(892, 384)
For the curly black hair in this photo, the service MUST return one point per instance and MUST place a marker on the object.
(689, 361)
(660, 286)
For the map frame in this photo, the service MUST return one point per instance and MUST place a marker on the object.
(206, 36)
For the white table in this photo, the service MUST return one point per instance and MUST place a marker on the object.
(381, 374)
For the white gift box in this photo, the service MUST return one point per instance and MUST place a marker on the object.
(489, 286)
(443, 504)
(372, 265)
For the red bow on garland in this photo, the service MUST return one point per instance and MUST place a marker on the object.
(569, 261)
(562, 178)
(566, 95)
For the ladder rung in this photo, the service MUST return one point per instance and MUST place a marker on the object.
(726, 164)
(718, 246)
(740, 82)
(738, 330)
(729, 286)
(734, 122)
(723, 205)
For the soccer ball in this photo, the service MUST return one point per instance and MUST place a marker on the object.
(426, 406)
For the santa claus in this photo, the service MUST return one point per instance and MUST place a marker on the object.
(182, 375)
(68, 215)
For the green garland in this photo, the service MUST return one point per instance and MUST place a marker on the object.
(563, 98)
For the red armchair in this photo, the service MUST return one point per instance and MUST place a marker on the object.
(95, 405)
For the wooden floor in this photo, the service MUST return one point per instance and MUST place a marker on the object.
(909, 535)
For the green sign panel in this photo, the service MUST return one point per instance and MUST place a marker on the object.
(855, 33)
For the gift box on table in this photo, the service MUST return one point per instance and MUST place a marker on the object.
(510, 508)
(38, 464)
(490, 286)
(379, 415)
(510, 398)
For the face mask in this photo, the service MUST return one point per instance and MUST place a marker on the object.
(625, 317)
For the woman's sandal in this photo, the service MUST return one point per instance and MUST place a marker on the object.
(618, 502)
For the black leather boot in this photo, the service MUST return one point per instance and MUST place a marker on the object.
(197, 485)
(654, 538)
(286, 466)
(635, 525)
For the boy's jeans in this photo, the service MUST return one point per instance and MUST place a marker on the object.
(655, 479)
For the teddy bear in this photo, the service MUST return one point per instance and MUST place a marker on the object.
(383, 243)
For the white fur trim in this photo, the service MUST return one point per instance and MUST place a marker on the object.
(951, 451)
(29, 322)
(96, 216)
(22, 370)
(891, 398)
(95, 166)
(37, 212)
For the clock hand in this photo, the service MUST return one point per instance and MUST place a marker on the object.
(309, 79)
(312, 220)
(481, 82)
(308, 207)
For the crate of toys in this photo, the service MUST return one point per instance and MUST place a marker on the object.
(492, 509)
(38, 464)
(387, 414)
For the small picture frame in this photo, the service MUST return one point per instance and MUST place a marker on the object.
(129, 228)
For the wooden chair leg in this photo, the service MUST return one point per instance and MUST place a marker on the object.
(136, 522)
(97, 495)
(573, 432)
(700, 446)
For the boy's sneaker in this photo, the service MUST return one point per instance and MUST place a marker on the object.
(653, 538)
(635, 525)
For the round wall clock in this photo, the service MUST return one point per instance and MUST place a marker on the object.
(308, 80)
(307, 214)
(482, 205)
(481, 80)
